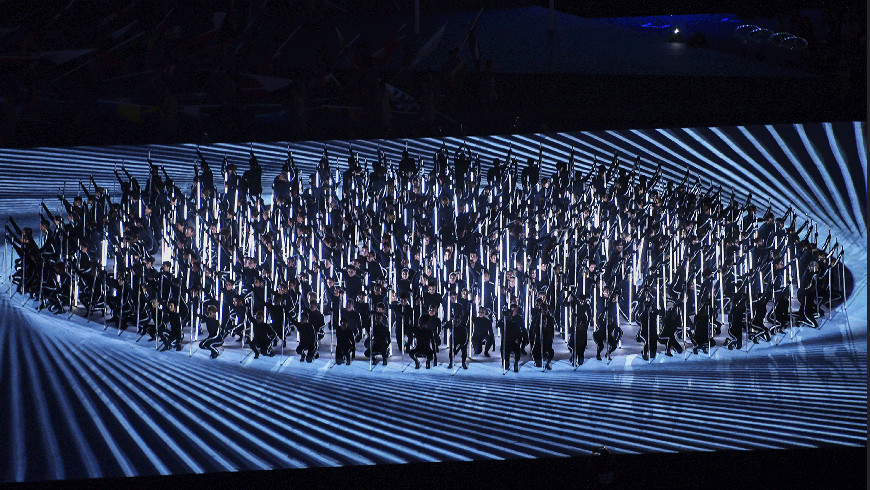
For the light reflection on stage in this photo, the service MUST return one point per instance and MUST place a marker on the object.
(85, 402)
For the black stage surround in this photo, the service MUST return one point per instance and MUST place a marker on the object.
(440, 263)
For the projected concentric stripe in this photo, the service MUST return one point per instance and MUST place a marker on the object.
(820, 169)
(96, 405)
(84, 403)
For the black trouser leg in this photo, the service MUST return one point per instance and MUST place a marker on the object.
(673, 344)
(164, 339)
(211, 344)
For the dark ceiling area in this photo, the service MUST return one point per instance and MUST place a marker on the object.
(103, 73)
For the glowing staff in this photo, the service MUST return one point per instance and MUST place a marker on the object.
(529, 300)
(700, 272)
(720, 260)
(685, 310)
(750, 312)
(631, 281)
(498, 290)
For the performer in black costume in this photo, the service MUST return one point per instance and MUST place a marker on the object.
(482, 339)
(169, 330)
(457, 328)
(608, 330)
(578, 326)
(422, 341)
(379, 343)
(308, 340)
(212, 325)
(542, 333)
(513, 334)
(386, 236)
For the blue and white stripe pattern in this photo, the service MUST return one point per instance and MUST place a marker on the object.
(82, 402)
(820, 169)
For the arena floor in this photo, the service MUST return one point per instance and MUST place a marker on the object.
(84, 402)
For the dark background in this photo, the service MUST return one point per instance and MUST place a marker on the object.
(541, 101)
(45, 105)
(835, 468)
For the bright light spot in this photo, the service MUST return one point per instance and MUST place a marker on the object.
(676, 31)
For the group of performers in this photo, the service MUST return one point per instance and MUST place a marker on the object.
(423, 260)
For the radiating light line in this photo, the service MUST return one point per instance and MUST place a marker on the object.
(790, 427)
(115, 412)
(16, 389)
(820, 165)
(861, 143)
(757, 192)
(85, 452)
(50, 447)
(795, 161)
(790, 191)
(108, 376)
(857, 214)
(234, 415)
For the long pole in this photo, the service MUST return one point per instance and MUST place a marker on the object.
(41, 280)
(23, 274)
(157, 311)
(843, 288)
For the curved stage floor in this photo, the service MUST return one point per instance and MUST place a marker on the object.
(84, 402)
